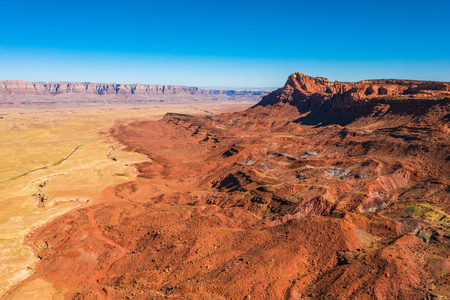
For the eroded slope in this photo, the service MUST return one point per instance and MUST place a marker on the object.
(262, 204)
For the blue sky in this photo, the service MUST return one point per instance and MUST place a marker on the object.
(223, 43)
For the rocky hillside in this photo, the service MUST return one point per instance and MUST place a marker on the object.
(323, 190)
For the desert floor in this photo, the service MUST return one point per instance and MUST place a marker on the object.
(55, 160)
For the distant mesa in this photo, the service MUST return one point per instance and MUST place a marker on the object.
(18, 93)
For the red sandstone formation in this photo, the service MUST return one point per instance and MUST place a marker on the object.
(324, 190)
(342, 103)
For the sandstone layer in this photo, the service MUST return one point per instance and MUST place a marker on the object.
(323, 190)
(18, 93)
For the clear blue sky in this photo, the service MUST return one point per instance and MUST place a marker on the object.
(223, 43)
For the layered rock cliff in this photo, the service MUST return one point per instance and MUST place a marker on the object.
(300, 87)
(319, 101)
(17, 92)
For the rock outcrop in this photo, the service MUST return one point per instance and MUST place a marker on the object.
(327, 102)
(300, 87)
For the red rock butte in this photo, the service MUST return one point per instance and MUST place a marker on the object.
(323, 190)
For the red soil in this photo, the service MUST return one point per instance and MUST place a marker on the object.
(262, 204)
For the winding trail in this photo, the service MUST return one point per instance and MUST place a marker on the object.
(65, 158)
(122, 251)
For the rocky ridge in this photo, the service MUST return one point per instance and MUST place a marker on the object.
(300, 87)
(327, 102)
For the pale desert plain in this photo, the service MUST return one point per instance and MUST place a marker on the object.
(55, 160)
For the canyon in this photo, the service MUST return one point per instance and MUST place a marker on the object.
(321, 190)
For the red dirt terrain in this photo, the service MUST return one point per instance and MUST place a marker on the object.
(323, 190)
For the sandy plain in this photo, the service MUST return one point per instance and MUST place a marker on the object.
(55, 160)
